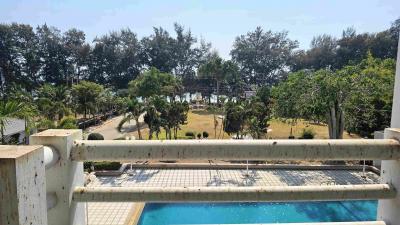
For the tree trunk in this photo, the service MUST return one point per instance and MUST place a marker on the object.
(217, 93)
(138, 128)
(175, 133)
(341, 125)
(3, 142)
(335, 119)
(215, 126)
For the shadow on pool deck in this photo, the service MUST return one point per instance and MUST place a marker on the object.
(327, 177)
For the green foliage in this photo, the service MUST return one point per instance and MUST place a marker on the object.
(153, 82)
(263, 55)
(8, 110)
(205, 134)
(68, 123)
(190, 134)
(199, 136)
(369, 105)
(216, 72)
(307, 133)
(54, 73)
(153, 115)
(31, 57)
(102, 165)
(95, 136)
(234, 118)
(44, 124)
(350, 49)
(166, 114)
(85, 96)
(132, 109)
(314, 96)
(53, 101)
(361, 94)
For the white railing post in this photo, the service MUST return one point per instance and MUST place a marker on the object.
(389, 210)
(378, 135)
(63, 176)
(22, 185)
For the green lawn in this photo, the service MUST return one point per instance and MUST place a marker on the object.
(199, 121)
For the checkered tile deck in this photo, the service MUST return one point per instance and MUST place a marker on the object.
(118, 213)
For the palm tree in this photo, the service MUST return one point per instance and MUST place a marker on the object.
(133, 110)
(53, 101)
(29, 111)
(8, 110)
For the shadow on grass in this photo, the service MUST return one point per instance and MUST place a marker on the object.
(201, 112)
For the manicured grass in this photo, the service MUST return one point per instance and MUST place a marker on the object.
(199, 121)
(281, 130)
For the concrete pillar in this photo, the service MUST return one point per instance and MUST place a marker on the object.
(63, 176)
(22, 185)
(395, 123)
(389, 209)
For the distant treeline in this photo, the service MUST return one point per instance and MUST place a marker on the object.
(31, 57)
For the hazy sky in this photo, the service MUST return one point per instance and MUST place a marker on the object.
(217, 21)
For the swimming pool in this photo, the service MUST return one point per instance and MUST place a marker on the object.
(245, 213)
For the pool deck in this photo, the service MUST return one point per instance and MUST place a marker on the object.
(128, 213)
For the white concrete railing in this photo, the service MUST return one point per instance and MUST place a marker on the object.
(122, 150)
(65, 151)
(236, 194)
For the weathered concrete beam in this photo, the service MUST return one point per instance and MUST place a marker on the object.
(233, 194)
(22, 185)
(353, 149)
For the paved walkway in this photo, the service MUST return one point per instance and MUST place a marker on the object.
(110, 213)
(109, 128)
(235, 177)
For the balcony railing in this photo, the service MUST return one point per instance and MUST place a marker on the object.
(57, 155)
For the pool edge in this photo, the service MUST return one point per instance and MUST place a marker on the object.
(136, 212)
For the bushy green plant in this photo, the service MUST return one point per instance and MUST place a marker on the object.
(45, 124)
(190, 134)
(205, 134)
(95, 136)
(68, 123)
(199, 135)
(102, 165)
(307, 133)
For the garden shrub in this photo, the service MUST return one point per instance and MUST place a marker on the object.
(205, 134)
(102, 165)
(95, 136)
(45, 124)
(199, 135)
(190, 134)
(307, 133)
(68, 123)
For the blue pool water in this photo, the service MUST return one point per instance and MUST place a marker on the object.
(245, 213)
